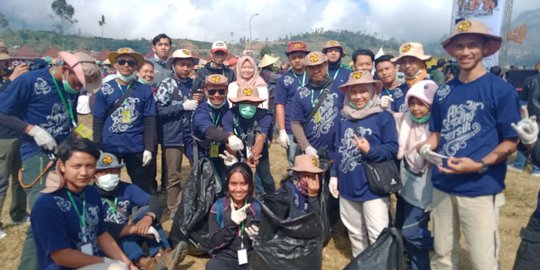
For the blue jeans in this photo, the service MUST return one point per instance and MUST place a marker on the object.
(521, 159)
(417, 238)
(264, 182)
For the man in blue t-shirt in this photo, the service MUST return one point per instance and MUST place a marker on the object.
(472, 137)
(286, 87)
(67, 219)
(40, 105)
(334, 52)
(125, 117)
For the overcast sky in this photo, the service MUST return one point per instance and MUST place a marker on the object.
(420, 20)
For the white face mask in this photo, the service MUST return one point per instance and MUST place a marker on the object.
(108, 182)
(126, 79)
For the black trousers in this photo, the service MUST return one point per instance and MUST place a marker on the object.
(528, 254)
(224, 262)
(139, 175)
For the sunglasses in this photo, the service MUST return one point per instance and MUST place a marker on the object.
(214, 91)
(130, 63)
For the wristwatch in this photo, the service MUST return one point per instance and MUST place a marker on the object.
(484, 167)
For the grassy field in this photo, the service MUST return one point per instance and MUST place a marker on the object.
(520, 194)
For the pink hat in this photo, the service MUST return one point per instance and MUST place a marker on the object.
(422, 90)
(84, 67)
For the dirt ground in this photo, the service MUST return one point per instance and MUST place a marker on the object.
(521, 191)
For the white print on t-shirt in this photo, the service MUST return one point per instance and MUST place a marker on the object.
(458, 127)
(288, 80)
(57, 121)
(164, 93)
(118, 216)
(328, 112)
(443, 91)
(107, 89)
(398, 93)
(304, 92)
(65, 206)
(41, 87)
(402, 108)
(130, 104)
(351, 156)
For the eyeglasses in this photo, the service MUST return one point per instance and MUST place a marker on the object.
(130, 63)
(214, 91)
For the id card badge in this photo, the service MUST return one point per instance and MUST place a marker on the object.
(87, 249)
(214, 150)
(84, 131)
(242, 256)
(126, 117)
(317, 117)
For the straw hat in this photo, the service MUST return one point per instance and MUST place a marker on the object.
(267, 60)
(493, 42)
(181, 54)
(85, 68)
(413, 49)
(306, 163)
(4, 55)
(247, 93)
(359, 78)
(128, 51)
(315, 58)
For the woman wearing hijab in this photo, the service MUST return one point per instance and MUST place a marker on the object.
(247, 75)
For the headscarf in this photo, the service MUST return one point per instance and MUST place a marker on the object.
(256, 80)
(351, 113)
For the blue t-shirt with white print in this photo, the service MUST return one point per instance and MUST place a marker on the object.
(472, 119)
(117, 210)
(340, 75)
(321, 127)
(123, 131)
(34, 98)
(287, 86)
(398, 95)
(380, 131)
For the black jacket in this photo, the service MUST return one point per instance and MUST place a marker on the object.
(208, 70)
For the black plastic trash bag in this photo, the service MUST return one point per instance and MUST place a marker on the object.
(287, 243)
(385, 254)
(190, 223)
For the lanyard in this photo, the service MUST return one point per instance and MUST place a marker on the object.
(120, 87)
(214, 119)
(314, 101)
(335, 74)
(111, 206)
(67, 105)
(82, 218)
(303, 81)
(387, 91)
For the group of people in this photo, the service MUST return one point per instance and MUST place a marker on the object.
(450, 140)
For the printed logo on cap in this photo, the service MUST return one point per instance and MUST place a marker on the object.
(314, 58)
(220, 44)
(357, 75)
(406, 48)
(464, 26)
(186, 52)
(333, 43)
(107, 160)
(215, 79)
(298, 45)
(123, 50)
(247, 91)
(315, 162)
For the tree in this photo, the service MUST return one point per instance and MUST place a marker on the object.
(3, 21)
(65, 12)
(265, 50)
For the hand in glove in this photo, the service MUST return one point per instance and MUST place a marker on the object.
(238, 216)
(386, 102)
(430, 156)
(311, 151)
(229, 159)
(333, 187)
(155, 233)
(284, 139)
(146, 157)
(252, 231)
(190, 105)
(527, 129)
(235, 143)
(43, 138)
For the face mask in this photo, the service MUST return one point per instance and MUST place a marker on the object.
(247, 110)
(68, 87)
(143, 81)
(215, 106)
(420, 120)
(126, 79)
(108, 182)
(368, 105)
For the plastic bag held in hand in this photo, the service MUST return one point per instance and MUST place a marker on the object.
(386, 101)
(235, 143)
(190, 105)
(333, 187)
(155, 233)
(527, 130)
(284, 139)
(430, 156)
(146, 157)
(43, 138)
(229, 159)
(238, 216)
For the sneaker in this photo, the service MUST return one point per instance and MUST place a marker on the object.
(514, 168)
(2, 234)
(25, 220)
(171, 258)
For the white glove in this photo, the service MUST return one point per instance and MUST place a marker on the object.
(154, 232)
(238, 216)
(252, 231)
(190, 105)
(228, 158)
(430, 156)
(527, 129)
(386, 101)
(311, 151)
(146, 157)
(235, 143)
(333, 186)
(284, 139)
(43, 138)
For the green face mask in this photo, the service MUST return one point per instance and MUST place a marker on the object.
(420, 120)
(68, 87)
(247, 110)
(368, 105)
